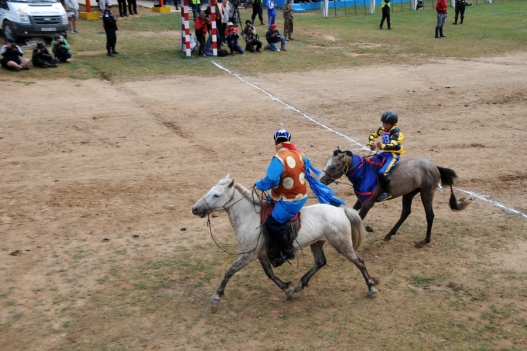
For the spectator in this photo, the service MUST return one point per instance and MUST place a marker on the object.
(219, 33)
(273, 36)
(271, 13)
(225, 9)
(202, 27)
(442, 9)
(132, 5)
(257, 10)
(11, 56)
(61, 48)
(385, 14)
(233, 7)
(251, 37)
(288, 20)
(72, 10)
(42, 57)
(110, 27)
(231, 35)
(460, 8)
(196, 7)
(122, 8)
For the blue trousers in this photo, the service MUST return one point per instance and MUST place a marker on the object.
(390, 161)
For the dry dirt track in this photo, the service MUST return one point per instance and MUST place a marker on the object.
(86, 165)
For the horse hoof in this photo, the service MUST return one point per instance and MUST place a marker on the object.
(215, 299)
(369, 229)
(288, 292)
(388, 237)
(375, 281)
(299, 287)
(372, 293)
(420, 244)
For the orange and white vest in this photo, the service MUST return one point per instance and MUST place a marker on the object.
(292, 186)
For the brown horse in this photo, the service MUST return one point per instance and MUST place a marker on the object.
(409, 177)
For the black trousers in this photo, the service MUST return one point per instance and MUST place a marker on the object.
(257, 10)
(386, 15)
(111, 39)
(460, 8)
(250, 46)
(132, 5)
(122, 7)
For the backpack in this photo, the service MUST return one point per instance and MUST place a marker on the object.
(222, 53)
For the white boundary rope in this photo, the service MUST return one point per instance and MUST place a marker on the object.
(480, 197)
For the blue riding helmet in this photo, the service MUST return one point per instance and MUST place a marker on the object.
(282, 134)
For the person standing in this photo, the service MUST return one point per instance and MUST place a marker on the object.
(110, 27)
(271, 13)
(460, 8)
(196, 7)
(288, 20)
(72, 10)
(257, 10)
(225, 9)
(202, 27)
(385, 14)
(122, 8)
(442, 9)
(132, 5)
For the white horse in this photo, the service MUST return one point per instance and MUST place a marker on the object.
(341, 227)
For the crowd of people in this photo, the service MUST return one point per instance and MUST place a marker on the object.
(228, 34)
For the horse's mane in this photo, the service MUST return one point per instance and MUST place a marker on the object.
(339, 151)
(246, 193)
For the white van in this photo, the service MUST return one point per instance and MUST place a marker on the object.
(33, 18)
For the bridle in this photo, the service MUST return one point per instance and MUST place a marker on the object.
(226, 208)
(345, 169)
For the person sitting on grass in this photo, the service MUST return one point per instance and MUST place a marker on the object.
(273, 36)
(42, 57)
(251, 37)
(61, 48)
(11, 54)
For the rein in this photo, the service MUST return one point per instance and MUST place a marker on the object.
(345, 169)
(209, 224)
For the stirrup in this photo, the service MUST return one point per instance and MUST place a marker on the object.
(384, 196)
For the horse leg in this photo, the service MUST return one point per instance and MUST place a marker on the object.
(407, 209)
(320, 261)
(268, 269)
(427, 198)
(351, 255)
(364, 208)
(241, 262)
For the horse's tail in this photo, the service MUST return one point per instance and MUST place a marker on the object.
(447, 179)
(358, 232)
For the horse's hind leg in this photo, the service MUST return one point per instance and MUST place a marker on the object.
(268, 269)
(407, 209)
(241, 262)
(351, 255)
(427, 198)
(320, 261)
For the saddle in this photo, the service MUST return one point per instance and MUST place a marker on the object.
(292, 227)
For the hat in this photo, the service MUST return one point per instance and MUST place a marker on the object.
(11, 40)
(230, 24)
(282, 134)
(108, 4)
(273, 25)
(56, 37)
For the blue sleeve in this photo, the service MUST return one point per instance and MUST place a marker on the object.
(272, 179)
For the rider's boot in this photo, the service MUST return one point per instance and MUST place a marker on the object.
(385, 183)
(277, 232)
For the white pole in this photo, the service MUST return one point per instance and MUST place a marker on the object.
(453, 3)
(325, 9)
(372, 7)
(414, 4)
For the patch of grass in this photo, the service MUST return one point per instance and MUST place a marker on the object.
(418, 280)
(150, 45)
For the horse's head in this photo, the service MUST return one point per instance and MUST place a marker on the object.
(216, 199)
(336, 166)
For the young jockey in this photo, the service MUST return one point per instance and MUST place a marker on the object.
(391, 146)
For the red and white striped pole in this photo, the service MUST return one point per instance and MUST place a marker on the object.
(214, 29)
(186, 27)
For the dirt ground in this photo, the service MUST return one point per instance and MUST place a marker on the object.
(99, 177)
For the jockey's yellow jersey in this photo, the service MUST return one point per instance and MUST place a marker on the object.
(292, 186)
